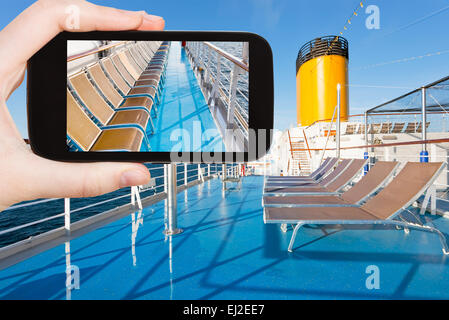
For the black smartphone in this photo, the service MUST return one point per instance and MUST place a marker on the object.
(156, 96)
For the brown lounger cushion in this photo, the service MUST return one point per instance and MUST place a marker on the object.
(370, 182)
(367, 185)
(143, 90)
(150, 77)
(131, 116)
(116, 77)
(138, 101)
(147, 83)
(303, 200)
(105, 85)
(412, 180)
(332, 214)
(123, 70)
(86, 133)
(119, 139)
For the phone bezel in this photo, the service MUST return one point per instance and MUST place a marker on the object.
(46, 93)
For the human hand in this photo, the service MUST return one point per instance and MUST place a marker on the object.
(24, 175)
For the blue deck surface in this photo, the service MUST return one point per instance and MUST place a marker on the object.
(226, 252)
(184, 120)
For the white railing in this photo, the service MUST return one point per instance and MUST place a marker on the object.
(187, 176)
(224, 80)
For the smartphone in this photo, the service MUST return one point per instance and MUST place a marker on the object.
(156, 96)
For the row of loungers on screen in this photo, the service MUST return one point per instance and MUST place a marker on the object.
(111, 103)
(327, 198)
(385, 128)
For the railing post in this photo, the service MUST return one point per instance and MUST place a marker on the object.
(135, 196)
(197, 52)
(67, 215)
(207, 66)
(424, 155)
(217, 81)
(199, 172)
(232, 96)
(338, 121)
(132, 196)
(365, 154)
(245, 52)
(165, 178)
(185, 174)
(172, 216)
(208, 169)
(214, 94)
(224, 175)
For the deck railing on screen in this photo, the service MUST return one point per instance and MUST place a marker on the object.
(224, 80)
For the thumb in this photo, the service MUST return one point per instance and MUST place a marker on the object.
(52, 179)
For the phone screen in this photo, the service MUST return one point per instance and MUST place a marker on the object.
(157, 96)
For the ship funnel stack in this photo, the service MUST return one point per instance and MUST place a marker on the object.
(321, 64)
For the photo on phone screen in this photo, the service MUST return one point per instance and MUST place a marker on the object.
(157, 96)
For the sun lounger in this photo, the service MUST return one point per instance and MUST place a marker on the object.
(137, 57)
(411, 127)
(107, 88)
(132, 76)
(85, 135)
(332, 184)
(413, 181)
(123, 75)
(374, 128)
(125, 89)
(370, 183)
(143, 52)
(350, 129)
(326, 167)
(296, 183)
(145, 61)
(361, 129)
(397, 127)
(419, 128)
(332, 174)
(135, 110)
(385, 128)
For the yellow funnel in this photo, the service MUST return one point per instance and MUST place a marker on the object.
(322, 63)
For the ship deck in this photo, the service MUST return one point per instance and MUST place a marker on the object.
(227, 252)
(184, 121)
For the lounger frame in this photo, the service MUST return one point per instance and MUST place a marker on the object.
(299, 193)
(358, 203)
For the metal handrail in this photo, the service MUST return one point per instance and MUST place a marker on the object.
(94, 51)
(307, 143)
(405, 143)
(323, 46)
(229, 56)
(17, 206)
(201, 57)
(60, 215)
(376, 114)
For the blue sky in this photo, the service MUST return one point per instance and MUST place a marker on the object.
(407, 29)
